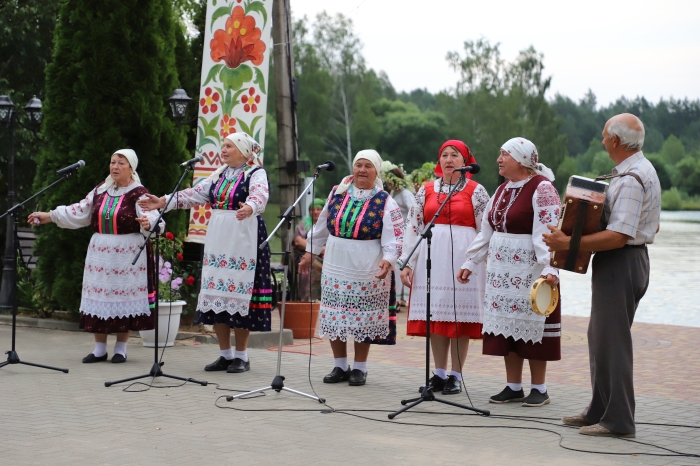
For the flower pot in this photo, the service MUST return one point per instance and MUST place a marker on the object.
(296, 318)
(164, 314)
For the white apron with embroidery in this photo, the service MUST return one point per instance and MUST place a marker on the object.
(353, 302)
(228, 267)
(112, 287)
(510, 271)
(468, 297)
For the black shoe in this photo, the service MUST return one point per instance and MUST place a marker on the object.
(337, 375)
(536, 398)
(508, 395)
(220, 364)
(92, 358)
(117, 358)
(357, 378)
(436, 383)
(452, 386)
(238, 365)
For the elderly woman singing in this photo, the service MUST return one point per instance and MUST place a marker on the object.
(511, 237)
(236, 291)
(117, 296)
(362, 229)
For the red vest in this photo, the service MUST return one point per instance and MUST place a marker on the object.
(459, 211)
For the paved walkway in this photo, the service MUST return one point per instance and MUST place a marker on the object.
(53, 418)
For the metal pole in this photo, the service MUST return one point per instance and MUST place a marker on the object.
(9, 261)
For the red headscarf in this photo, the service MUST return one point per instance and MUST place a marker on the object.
(462, 148)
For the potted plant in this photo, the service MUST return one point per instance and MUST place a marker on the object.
(174, 284)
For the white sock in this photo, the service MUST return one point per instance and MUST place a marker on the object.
(542, 388)
(442, 373)
(516, 387)
(456, 374)
(100, 349)
(120, 348)
(360, 365)
(226, 353)
(241, 355)
(341, 362)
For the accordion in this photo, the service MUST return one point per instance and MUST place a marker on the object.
(581, 212)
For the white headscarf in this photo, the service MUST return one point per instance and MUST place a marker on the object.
(372, 156)
(249, 147)
(133, 160)
(525, 152)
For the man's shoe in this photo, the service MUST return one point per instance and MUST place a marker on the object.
(452, 386)
(508, 395)
(118, 358)
(90, 358)
(576, 421)
(238, 365)
(536, 398)
(436, 384)
(337, 375)
(597, 430)
(357, 378)
(220, 364)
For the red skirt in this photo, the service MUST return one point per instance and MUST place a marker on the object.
(416, 328)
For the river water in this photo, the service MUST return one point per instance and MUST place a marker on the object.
(673, 296)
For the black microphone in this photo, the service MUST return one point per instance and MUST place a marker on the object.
(197, 159)
(328, 166)
(70, 168)
(473, 168)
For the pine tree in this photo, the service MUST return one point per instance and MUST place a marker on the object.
(113, 67)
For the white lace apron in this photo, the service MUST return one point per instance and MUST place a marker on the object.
(510, 271)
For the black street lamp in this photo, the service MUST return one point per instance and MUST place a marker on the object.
(9, 119)
(179, 102)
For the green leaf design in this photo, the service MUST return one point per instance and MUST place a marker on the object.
(209, 127)
(249, 129)
(260, 80)
(235, 78)
(203, 141)
(258, 7)
(254, 122)
(218, 13)
(236, 96)
(213, 72)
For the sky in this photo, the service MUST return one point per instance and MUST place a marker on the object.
(648, 48)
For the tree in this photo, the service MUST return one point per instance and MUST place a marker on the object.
(566, 169)
(672, 150)
(113, 67)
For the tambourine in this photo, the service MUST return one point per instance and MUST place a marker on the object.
(543, 297)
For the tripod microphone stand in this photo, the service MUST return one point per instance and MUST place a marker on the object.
(12, 356)
(155, 228)
(427, 393)
(278, 382)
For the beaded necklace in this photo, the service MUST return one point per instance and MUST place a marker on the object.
(501, 212)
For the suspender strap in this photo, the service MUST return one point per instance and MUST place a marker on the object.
(636, 177)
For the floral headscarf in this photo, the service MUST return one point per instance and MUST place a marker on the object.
(525, 152)
(249, 147)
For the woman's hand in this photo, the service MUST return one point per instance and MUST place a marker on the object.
(385, 265)
(407, 276)
(144, 222)
(151, 202)
(305, 263)
(244, 211)
(551, 280)
(39, 218)
(463, 276)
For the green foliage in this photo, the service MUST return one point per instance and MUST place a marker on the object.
(672, 150)
(602, 163)
(566, 169)
(113, 67)
(687, 177)
(662, 170)
(671, 200)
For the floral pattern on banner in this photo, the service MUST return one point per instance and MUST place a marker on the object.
(233, 95)
(222, 261)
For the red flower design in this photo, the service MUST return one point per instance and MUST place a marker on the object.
(335, 286)
(180, 257)
(202, 214)
(250, 101)
(208, 102)
(238, 42)
(222, 263)
(349, 287)
(189, 281)
(364, 288)
(342, 317)
(169, 236)
(227, 126)
(232, 287)
(358, 319)
(514, 307)
(243, 265)
(211, 285)
(516, 257)
(494, 305)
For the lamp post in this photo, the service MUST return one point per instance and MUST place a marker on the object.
(9, 119)
(179, 101)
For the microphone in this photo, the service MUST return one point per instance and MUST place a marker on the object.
(197, 159)
(70, 168)
(474, 168)
(328, 166)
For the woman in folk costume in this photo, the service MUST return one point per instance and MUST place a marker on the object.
(236, 291)
(456, 311)
(511, 238)
(117, 297)
(309, 283)
(362, 229)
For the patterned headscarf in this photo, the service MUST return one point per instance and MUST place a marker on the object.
(372, 156)
(133, 160)
(249, 147)
(525, 152)
(462, 148)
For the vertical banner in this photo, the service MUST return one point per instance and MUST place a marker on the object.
(233, 96)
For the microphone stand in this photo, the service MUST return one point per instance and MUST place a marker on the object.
(155, 228)
(278, 382)
(427, 393)
(12, 356)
